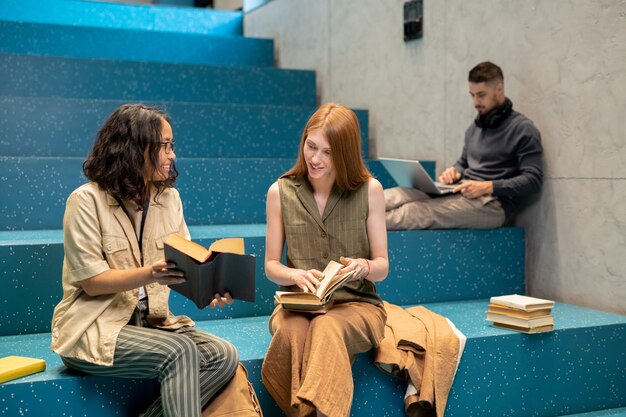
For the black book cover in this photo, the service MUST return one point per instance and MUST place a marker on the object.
(223, 272)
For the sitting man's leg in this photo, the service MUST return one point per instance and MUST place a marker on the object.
(397, 196)
(447, 212)
(458, 212)
(404, 208)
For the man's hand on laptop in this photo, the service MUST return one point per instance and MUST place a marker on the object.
(474, 189)
(450, 176)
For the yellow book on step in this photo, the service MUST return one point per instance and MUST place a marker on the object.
(12, 367)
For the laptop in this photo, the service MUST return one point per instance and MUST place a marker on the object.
(410, 173)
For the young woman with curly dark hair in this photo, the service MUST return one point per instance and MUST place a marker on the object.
(114, 317)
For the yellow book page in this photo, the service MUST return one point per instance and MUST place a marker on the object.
(296, 297)
(228, 245)
(201, 254)
(12, 367)
(330, 272)
(189, 248)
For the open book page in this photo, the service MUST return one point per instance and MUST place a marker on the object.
(330, 276)
(189, 248)
(228, 245)
(297, 297)
(201, 254)
(331, 280)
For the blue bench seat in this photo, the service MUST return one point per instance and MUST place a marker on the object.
(502, 373)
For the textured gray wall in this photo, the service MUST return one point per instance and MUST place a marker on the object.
(565, 68)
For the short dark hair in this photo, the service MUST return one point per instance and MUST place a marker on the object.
(117, 159)
(485, 72)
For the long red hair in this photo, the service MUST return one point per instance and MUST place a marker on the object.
(340, 127)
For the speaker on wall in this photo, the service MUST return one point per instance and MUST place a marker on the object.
(413, 19)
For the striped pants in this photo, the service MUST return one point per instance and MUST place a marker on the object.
(191, 366)
(410, 209)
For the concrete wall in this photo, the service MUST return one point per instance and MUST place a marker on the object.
(565, 67)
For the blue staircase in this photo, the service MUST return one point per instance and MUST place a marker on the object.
(237, 120)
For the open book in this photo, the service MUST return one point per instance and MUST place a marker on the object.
(223, 267)
(319, 300)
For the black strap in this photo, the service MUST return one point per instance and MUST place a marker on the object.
(139, 237)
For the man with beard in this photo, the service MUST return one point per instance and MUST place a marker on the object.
(501, 162)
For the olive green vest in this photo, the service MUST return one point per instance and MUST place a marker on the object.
(313, 240)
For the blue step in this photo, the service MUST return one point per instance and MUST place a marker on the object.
(577, 368)
(123, 16)
(32, 75)
(445, 265)
(134, 45)
(492, 263)
(213, 191)
(44, 126)
(615, 412)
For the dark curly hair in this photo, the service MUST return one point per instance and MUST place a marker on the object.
(116, 162)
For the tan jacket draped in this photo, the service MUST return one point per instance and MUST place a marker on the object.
(420, 346)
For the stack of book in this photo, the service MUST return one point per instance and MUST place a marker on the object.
(521, 313)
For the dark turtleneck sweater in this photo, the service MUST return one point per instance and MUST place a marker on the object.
(509, 155)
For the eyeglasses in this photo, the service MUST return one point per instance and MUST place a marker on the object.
(169, 146)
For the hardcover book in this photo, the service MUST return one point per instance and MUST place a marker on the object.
(13, 367)
(223, 267)
(320, 300)
(518, 322)
(516, 312)
(540, 329)
(522, 302)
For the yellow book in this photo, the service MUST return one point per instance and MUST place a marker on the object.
(12, 367)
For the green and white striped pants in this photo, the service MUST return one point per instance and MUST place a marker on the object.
(191, 366)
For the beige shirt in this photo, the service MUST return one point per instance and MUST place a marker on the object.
(98, 236)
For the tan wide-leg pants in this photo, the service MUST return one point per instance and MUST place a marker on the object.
(308, 365)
